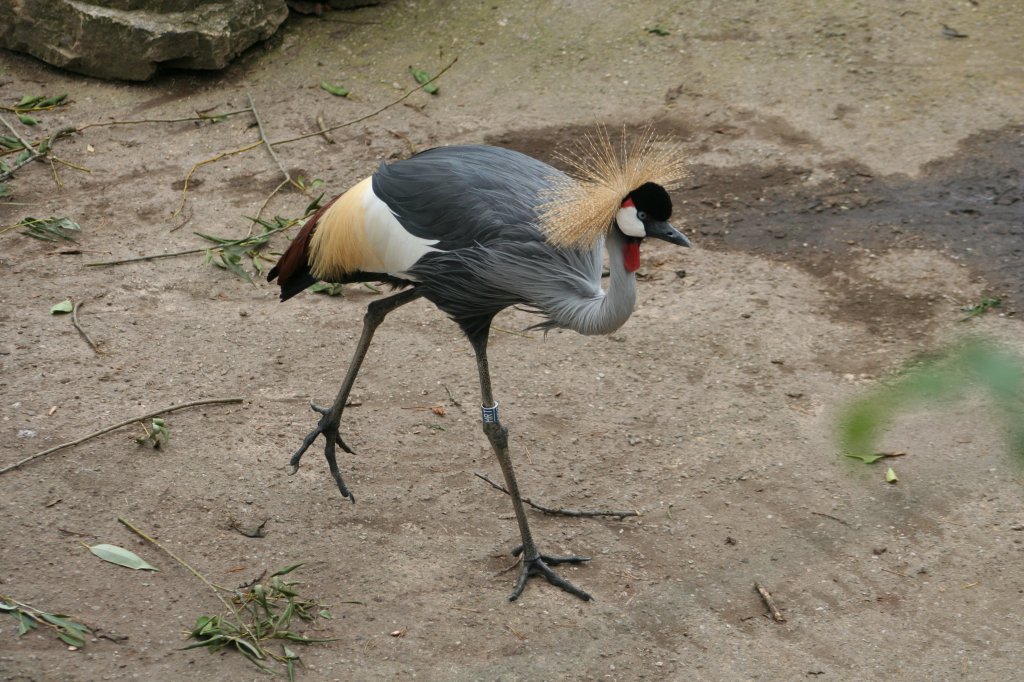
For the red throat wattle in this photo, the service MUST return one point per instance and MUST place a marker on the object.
(631, 255)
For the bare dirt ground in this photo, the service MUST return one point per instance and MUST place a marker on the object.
(856, 181)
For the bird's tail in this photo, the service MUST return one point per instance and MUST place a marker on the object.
(292, 270)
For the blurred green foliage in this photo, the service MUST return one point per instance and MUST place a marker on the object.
(937, 378)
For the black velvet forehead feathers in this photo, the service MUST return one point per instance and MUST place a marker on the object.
(652, 199)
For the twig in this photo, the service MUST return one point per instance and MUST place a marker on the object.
(266, 142)
(127, 422)
(266, 201)
(74, 321)
(20, 139)
(829, 516)
(560, 512)
(200, 117)
(56, 177)
(242, 150)
(889, 570)
(69, 164)
(396, 102)
(182, 224)
(156, 256)
(322, 128)
(216, 589)
(451, 398)
(33, 154)
(213, 159)
(769, 602)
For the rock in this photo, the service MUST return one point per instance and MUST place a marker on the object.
(131, 39)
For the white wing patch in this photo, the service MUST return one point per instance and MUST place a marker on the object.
(629, 224)
(396, 250)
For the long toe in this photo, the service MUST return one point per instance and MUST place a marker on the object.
(539, 567)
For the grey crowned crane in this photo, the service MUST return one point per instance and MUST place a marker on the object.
(476, 229)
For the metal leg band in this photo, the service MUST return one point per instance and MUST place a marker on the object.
(489, 414)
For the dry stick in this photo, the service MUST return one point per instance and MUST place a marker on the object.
(172, 408)
(216, 588)
(769, 602)
(157, 256)
(200, 117)
(214, 159)
(74, 321)
(560, 512)
(270, 148)
(28, 147)
(142, 258)
(322, 128)
(263, 137)
(372, 113)
(34, 154)
(266, 201)
(241, 150)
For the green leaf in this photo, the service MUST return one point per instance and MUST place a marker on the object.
(65, 306)
(201, 624)
(53, 101)
(324, 613)
(890, 476)
(5, 191)
(27, 120)
(27, 101)
(49, 229)
(313, 205)
(26, 623)
(658, 31)
(336, 90)
(121, 557)
(328, 288)
(71, 639)
(285, 571)
(422, 77)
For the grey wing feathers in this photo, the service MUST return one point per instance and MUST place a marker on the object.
(468, 194)
(480, 204)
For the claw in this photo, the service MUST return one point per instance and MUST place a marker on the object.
(539, 566)
(331, 435)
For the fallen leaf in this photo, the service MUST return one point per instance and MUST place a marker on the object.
(399, 633)
(121, 557)
(65, 306)
(423, 78)
(439, 410)
(890, 476)
(336, 90)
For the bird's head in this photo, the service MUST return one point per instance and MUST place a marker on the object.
(644, 213)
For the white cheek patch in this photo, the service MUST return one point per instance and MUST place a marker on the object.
(628, 222)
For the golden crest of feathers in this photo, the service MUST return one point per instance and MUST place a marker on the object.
(578, 211)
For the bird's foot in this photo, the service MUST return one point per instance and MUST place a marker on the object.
(540, 565)
(328, 427)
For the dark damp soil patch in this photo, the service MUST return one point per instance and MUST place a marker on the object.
(970, 205)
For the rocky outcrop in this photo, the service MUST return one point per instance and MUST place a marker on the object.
(131, 39)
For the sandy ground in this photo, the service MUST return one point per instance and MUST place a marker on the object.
(855, 183)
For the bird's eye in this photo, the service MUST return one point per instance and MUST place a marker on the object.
(641, 215)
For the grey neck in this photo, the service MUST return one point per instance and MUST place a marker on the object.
(604, 314)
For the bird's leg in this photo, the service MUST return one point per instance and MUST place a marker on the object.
(330, 418)
(534, 563)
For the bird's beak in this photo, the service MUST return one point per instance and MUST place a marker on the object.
(665, 232)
